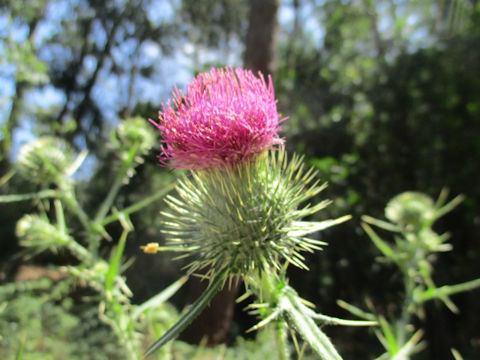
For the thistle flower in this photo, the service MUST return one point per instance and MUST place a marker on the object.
(226, 116)
(240, 208)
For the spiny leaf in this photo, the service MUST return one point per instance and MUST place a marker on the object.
(192, 312)
(379, 243)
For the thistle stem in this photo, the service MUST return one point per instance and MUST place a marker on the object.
(409, 284)
(409, 269)
(281, 339)
(271, 286)
(71, 201)
(139, 205)
(122, 173)
(447, 290)
(44, 194)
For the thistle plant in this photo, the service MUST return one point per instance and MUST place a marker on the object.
(50, 163)
(411, 217)
(238, 213)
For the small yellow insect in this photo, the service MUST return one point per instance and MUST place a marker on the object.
(150, 248)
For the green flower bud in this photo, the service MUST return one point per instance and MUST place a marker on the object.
(36, 232)
(245, 217)
(46, 160)
(411, 210)
(134, 132)
(432, 241)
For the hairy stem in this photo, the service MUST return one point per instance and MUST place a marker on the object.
(271, 284)
(281, 339)
(139, 205)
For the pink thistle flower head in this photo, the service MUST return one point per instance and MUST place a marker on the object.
(227, 116)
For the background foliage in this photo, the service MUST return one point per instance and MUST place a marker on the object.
(382, 97)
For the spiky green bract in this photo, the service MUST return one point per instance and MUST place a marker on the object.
(247, 216)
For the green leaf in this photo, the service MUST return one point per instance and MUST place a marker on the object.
(115, 260)
(456, 354)
(195, 310)
(139, 205)
(356, 311)
(389, 337)
(329, 320)
(5, 178)
(410, 347)
(77, 163)
(381, 224)
(442, 198)
(449, 206)
(379, 243)
(446, 290)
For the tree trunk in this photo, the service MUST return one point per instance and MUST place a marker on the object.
(261, 41)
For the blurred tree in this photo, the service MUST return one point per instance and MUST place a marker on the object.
(75, 69)
(109, 37)
(85, 47)
(29, 70)
(261, 39)
(214, 31)
(383, 97)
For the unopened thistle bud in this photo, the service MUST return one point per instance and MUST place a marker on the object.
(134, 133)
(46, 160)
(38, 233)
(414, 213)
(411, 210)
